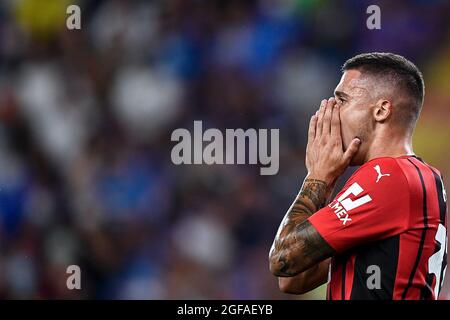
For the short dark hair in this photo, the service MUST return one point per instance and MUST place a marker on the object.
(399, 71)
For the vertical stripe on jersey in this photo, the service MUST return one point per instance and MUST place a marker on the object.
(442, 217)
(440, 192)
(441, 200)
(427, 290)
(383, 254)
(424, 231)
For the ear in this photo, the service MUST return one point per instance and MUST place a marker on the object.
(382, 110)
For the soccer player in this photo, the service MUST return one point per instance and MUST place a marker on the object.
(384, 235)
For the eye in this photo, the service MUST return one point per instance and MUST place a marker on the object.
(341, 101)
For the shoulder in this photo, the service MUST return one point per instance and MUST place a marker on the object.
(380, 173)
(383, 180)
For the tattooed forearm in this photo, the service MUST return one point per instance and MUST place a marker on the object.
(311, 198)
(297, 245)
(309, 249)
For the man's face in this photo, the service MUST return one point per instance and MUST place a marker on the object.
(354, 96)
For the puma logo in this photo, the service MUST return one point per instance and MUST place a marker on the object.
(380, 175)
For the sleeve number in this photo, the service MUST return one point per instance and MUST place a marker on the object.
(435, 261)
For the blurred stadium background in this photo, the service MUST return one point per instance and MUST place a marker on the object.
(86, 118)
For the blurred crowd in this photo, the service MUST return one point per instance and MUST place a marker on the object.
(86, 118)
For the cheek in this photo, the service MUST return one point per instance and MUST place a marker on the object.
(346, 126)
(352, 123)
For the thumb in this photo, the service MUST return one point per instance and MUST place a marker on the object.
(352, 149)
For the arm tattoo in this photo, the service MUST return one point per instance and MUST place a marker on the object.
(313, 192)
(297, 245)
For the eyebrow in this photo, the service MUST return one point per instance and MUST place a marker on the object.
(341, 94)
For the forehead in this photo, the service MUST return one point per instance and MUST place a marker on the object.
(353, 83)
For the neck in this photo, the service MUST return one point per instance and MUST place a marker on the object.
(390, 146)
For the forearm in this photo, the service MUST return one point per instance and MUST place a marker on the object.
(295, 247)
(307, 280)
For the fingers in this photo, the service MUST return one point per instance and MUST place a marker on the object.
(336, 121)
(351, 150)
(320, 117)
(326, 126)
(312, 128)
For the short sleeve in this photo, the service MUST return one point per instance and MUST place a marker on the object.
(373, 205)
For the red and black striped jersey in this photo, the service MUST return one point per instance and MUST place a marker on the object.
(388, 227)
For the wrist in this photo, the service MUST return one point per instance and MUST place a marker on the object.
(328, 179)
